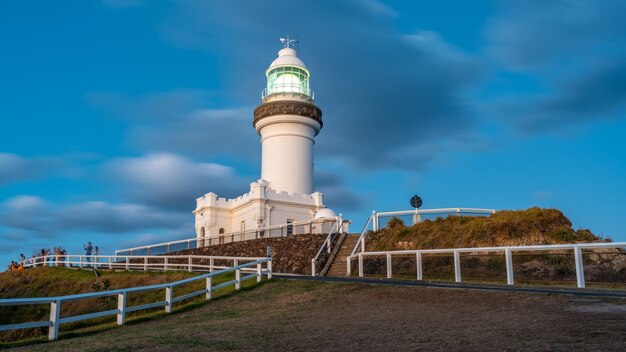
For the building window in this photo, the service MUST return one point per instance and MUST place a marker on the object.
(221, 232)
(243, 226)
(290, 227)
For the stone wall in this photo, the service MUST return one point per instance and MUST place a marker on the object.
(291, 254)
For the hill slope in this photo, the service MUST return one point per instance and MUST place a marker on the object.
(533, 226)
(50, 281)
(286, 315)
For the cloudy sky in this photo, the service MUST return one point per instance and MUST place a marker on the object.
(117, 114)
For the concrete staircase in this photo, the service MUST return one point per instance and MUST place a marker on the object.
(338, 266)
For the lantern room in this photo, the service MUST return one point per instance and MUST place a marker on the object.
(288, 76)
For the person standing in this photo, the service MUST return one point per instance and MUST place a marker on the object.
(88, 249)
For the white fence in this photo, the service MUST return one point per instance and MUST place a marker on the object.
(375, 219)
(137, 262)
(255, 265)
(324, 225)
(507, 251)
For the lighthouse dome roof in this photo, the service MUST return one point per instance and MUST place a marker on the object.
(325, 213)
(287, 57)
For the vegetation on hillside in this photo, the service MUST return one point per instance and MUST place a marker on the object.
(533, 226)
(51, 281)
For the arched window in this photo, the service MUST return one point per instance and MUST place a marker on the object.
(202, 232)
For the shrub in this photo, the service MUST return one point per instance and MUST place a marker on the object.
(395, 223)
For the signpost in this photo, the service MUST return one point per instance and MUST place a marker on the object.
(416, 202)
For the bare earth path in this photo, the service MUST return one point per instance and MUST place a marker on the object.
(307, 316)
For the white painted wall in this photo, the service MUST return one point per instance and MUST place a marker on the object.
(287, 152)
(274, 208)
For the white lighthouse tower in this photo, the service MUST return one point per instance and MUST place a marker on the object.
(287, 121)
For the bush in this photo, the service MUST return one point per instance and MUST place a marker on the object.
(395, 223)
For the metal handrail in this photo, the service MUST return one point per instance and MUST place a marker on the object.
(232, 235)
(361, 241)
(55, 302)
(439, 211)
(327, 244)
(299, 90)
(457, 211)
(508, 250)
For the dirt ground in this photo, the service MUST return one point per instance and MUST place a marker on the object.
(284, 315)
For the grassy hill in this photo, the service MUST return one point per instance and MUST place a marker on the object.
(50, 281)
(533, 226)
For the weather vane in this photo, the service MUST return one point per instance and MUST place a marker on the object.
(288, 42)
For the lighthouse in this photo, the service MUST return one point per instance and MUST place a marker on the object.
(287, 121)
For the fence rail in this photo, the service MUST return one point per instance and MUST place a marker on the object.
(136, 262)
(417, 213)
(255, 265)
(508, 250)
(313, 226)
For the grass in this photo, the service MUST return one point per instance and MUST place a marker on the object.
(301, 315)
(46, 281)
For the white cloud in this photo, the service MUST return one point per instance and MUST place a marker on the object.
(29, 215)
(172, 181)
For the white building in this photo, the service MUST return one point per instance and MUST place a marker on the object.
(287, 122)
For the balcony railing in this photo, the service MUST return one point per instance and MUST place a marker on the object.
(287, 89)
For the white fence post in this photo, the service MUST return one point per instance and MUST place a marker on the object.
(53, 331)
(348, 266)
(313, 267)
(121, 308)
(259, 271)
(360, 265)
(374, 221)
(389, 265)
(209, 287)
(510, 280)
(418, 265)
(190, 258)
(165, 264)
(145, 263)
(110, 263)
(211, 264)
(580, 272)
(457, 266)
(127, 263)
(168, 299)
(269, 269)
(237, 276)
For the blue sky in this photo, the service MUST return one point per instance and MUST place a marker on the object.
(117, 114)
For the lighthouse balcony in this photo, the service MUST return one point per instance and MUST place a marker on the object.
(288, 90)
